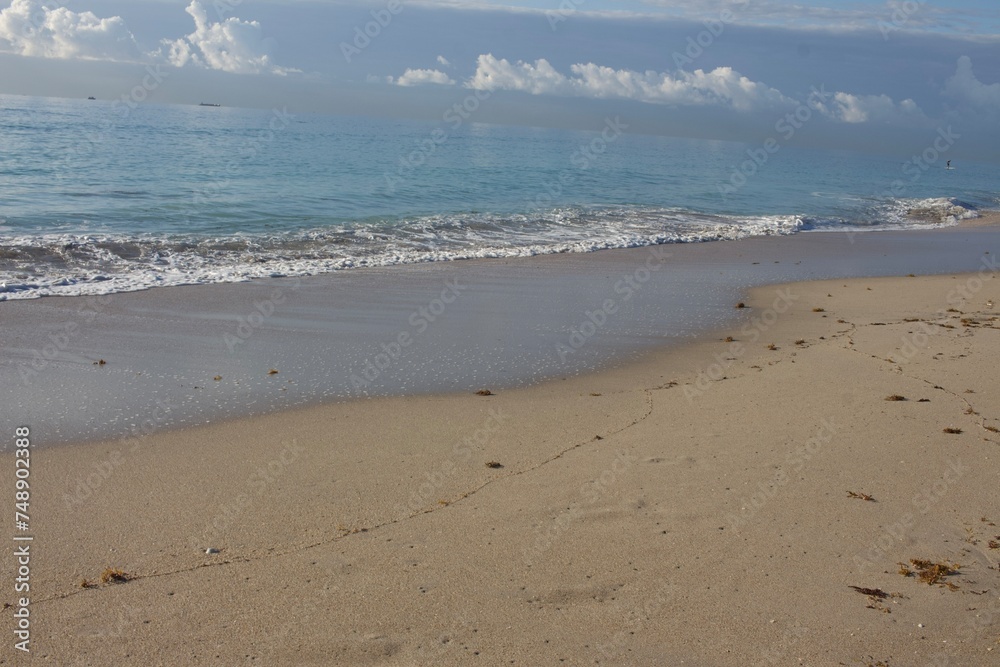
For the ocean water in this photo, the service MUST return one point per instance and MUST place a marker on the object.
(97, 198)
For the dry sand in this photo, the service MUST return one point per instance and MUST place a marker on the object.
(691, 509)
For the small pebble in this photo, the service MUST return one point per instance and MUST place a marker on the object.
(211, 550)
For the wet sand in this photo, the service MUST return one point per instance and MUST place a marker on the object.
(422, 329)
(704, 504)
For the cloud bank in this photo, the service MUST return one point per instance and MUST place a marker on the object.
(28, 28)
(848, 108)
(965, 87)
(234, 46)
(721, 86)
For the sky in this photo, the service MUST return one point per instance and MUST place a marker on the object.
(867, 75)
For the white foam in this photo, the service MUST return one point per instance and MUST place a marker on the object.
(68, 264)
(944, 210)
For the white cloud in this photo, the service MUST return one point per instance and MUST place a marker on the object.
(848, 108)
(31, 29)
(416, 77)
(722, 86)
(230, 46)
(443, 61)
(964, 86)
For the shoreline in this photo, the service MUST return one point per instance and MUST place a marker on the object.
(403, 331)
(985, 218)
(608, 531)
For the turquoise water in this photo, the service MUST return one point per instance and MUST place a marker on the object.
(99, 198)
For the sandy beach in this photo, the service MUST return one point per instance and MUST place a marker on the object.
(752, 501)
(432, 328)
(626, 333)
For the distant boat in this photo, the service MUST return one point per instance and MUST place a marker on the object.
(91, 98)
(209, 104)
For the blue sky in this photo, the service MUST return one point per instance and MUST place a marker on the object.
(879, 75)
